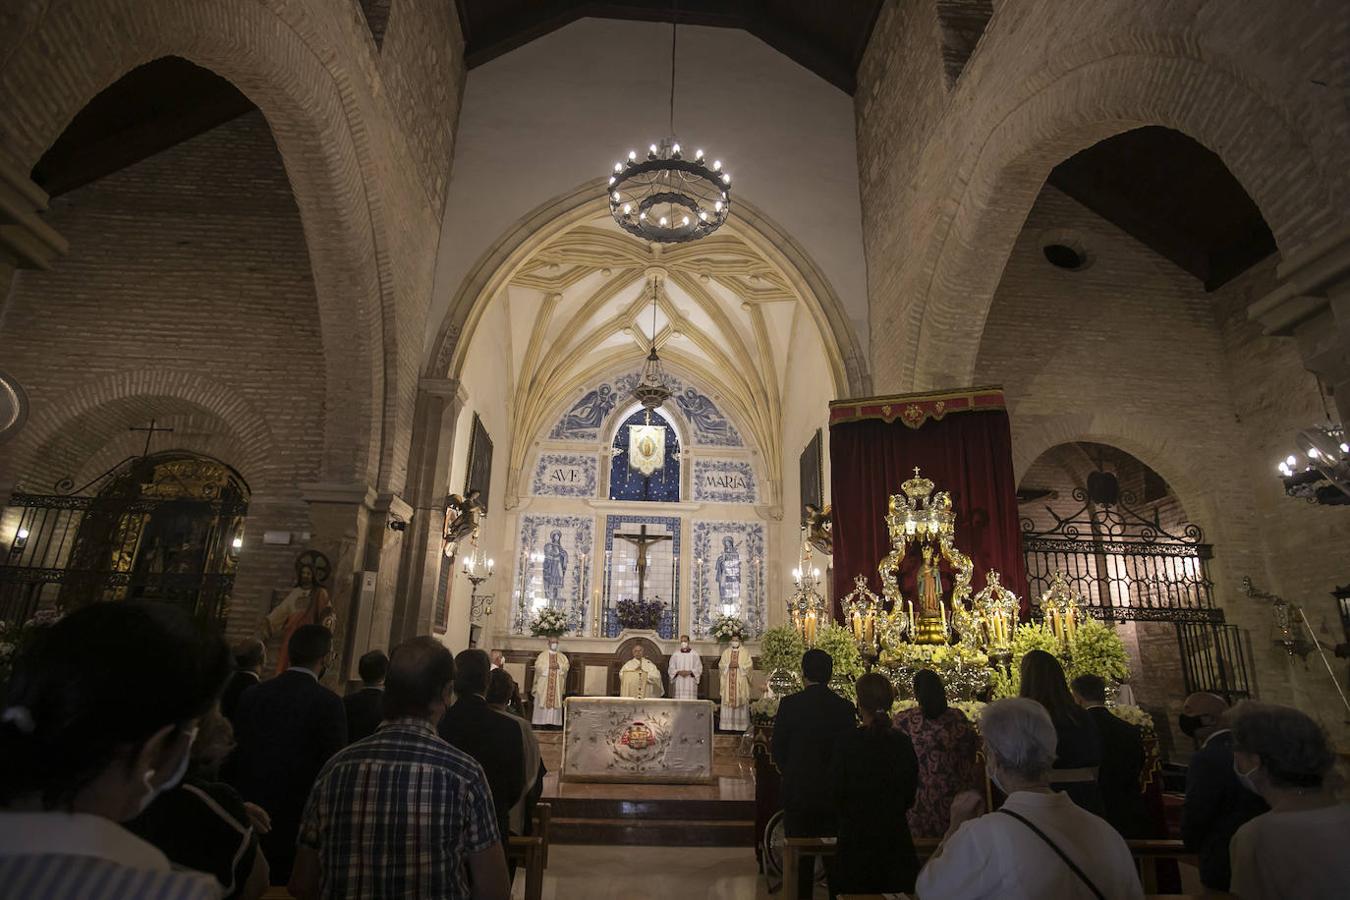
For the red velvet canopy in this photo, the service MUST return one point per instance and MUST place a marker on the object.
(961, 441)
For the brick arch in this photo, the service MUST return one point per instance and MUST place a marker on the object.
(998, 180)
(288, 64)
(1173, 458)
(124, 399)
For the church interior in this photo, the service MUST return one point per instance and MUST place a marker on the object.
(363, 298)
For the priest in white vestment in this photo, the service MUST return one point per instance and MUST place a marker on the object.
(550, 680)
(685, 671)
(734, 669)
(639, 677)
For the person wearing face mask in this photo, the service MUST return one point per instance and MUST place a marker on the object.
(734, 676)
(550, 686)
(286, 729)
(685, 671)
(99, 719)
(1040, 843)
(1216, 802)
(1297, 849)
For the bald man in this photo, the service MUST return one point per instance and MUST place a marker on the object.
(1216, 802)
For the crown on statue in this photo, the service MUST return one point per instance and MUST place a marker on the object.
(917, 512)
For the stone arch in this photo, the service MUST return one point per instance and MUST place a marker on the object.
(995, 185)
(285, 63)
(175, 392)
(495, 268)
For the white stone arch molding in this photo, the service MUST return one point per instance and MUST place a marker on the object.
(495, 269)
(994, 181)
(311, 95)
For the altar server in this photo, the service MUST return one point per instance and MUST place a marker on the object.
(550, 679)
(685, 671)
(639, 677)
(734, 669)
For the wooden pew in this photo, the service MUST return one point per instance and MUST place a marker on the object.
(543, 823)
(1145, 852)
(528, 852)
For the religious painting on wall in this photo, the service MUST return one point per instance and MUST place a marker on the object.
(728, 575)
(812, 475)
(553, 570)
(479, 475)
(642, 563)
(585, 419)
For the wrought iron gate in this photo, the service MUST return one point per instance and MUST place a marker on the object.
(1130, 567)
(161, 527)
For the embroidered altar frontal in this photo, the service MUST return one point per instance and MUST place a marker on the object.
(623, 740)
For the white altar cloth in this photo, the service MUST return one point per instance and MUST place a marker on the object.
(625, 740)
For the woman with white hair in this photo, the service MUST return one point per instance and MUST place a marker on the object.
(1298, 848)
(1040, 843)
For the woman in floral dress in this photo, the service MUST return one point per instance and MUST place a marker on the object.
(947, 746)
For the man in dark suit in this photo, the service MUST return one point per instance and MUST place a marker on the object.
(1216, 802)
(1122, 767)
(805, 730)
(249, 657)
(365, 707)
(486, 735)
(286, 729)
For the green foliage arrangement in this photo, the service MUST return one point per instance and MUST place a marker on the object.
(781, 648)
(964, 670)
(848, 665)
(1095, 649)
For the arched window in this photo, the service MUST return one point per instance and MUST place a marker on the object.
(646, 462)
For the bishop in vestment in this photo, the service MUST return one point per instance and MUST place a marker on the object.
(550, 679)
(685, 671)
(734, 669)
(639, 677)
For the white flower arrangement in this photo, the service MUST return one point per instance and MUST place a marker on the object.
(1134, 715)
(549, 622)
(725, 628)
(763, 710)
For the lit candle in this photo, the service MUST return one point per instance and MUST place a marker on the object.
(942, 609)
(857, 625)
(1070, 621)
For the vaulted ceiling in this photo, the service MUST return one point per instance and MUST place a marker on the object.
(581, 308)
(826, 36)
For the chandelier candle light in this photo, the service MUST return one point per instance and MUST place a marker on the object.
(478, 568)
(666, 196)
(806, 607)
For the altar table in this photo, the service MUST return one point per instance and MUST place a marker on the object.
(620, 739)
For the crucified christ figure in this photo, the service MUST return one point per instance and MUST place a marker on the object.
(642, 540)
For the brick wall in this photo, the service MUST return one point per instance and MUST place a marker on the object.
(190, 266)
(1131, 352)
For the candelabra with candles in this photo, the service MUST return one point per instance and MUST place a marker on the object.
(478, 568)
(806, 606)
(865, 611)
(995, 611)
(1061, 608)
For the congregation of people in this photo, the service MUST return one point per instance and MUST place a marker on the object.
(141, 758)
(1039, 798)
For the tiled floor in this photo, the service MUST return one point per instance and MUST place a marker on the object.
(652, 873)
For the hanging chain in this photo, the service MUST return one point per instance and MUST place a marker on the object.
(674, 31)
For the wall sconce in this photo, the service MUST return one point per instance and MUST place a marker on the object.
(20, 539)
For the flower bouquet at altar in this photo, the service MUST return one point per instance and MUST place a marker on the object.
(639, 614)
(728, 628)
(549, 622)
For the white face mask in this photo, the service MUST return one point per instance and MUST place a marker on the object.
(993, 776)
(1246, 777)
(553, 647)
(684, 645)
(152, 790)
(735, 645)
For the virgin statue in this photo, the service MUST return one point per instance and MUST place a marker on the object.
(930, 585)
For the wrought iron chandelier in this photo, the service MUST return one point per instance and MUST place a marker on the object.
(666, 197)
(1320, 471)
(652, 388)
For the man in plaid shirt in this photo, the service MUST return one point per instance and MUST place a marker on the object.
(402, 813)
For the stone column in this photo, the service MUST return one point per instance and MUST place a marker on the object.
(341, 515)
(1311, 304)
(26, 242)
(439, 404)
